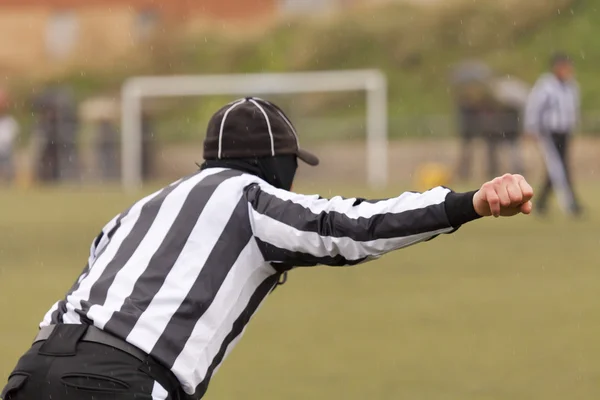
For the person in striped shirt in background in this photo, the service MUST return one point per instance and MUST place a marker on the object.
(172, 282)
(552, 114)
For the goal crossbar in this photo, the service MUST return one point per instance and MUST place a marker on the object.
(373, 82)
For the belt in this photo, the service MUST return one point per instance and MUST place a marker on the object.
(150, 366)
(95, 335)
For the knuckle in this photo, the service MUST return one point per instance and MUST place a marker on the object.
(508, 178)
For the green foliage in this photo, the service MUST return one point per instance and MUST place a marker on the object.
(414, 46)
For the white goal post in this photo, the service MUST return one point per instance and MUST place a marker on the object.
(373, 82)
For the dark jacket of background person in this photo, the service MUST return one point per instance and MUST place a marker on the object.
(55, 129)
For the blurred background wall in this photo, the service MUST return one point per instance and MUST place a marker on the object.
(90, 48)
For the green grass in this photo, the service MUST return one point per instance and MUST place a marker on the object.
(502, 309)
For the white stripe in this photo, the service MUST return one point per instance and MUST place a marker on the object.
(96, 248)
(159, 392)
(246, 275)
(127, 223)
(561, 115)
(71, 317)
(287, 121)
(234, 342)
(128, 275)
(48, 317)
(405, 202)
(216, 214)
(234, 105)
(74, 302)
(287, 237)
(558, 174)
(268, 125)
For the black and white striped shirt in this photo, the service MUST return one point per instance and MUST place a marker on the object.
(552, 106)
(180, 273)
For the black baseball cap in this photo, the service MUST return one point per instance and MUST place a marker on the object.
(252, 127)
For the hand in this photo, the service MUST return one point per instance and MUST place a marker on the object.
(504, 196)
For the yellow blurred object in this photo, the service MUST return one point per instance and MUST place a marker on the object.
(24, 178)
(431, 175)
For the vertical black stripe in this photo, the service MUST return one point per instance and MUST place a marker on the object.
(237, 328)
(147, 216)
(56, 316)
(163, 260)
(97, 242)
(235, 237)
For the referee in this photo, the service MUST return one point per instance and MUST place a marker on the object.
(551, 115)
(172, 281)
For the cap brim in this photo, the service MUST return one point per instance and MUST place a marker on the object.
(308, 157)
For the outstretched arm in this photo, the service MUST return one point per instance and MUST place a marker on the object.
(301, 230)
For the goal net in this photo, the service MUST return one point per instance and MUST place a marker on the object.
(372, 82)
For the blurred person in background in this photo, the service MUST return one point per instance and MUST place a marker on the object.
(510, 94)
(101, 114)
(9, 129)
(45, 136)
(55, 133)
(107, 149)
(68, 130)
(470, 93)
(551, 116)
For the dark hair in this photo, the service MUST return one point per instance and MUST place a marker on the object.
(560, 58)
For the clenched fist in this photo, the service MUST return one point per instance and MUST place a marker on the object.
(504, 196)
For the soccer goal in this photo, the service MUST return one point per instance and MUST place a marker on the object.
(373, 82)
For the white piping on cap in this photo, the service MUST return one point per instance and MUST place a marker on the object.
(287, 121)
(268, 124)
(234, 105)
(282, 115)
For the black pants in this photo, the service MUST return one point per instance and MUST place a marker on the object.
(95, 371)
(560, 142)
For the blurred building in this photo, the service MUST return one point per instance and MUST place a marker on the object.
(59, 33)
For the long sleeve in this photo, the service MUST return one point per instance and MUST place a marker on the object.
(536, 102)
(308, 230)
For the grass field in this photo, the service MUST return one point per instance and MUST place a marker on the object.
(503, 309)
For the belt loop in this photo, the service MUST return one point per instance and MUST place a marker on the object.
(63, 340)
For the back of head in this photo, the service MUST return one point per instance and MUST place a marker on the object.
(256, 136)
(562, 66)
